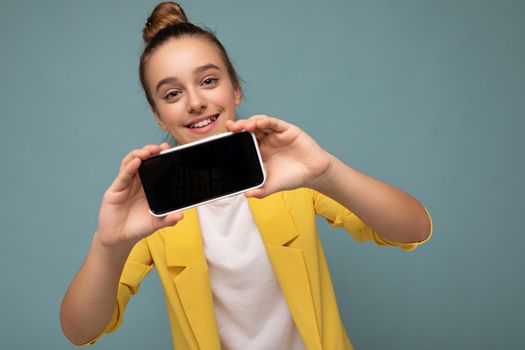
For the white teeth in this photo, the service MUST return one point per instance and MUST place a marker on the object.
(203, 122)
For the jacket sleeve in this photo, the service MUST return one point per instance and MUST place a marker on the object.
(338, 216)
(137, 266)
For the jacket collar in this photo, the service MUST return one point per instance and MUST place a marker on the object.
(186, 245)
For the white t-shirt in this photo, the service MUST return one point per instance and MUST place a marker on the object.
(249, 306)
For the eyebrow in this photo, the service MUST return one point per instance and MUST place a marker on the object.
(170, 80)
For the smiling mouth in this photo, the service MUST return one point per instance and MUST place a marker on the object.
(203, 123)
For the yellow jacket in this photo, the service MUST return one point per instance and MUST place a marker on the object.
(286, 221)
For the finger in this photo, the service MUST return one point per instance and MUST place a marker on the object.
(144, 153)
(270, 125)
(267, 189)
(168, 220)
(235, 126)
(137, 153)
(172, 219)
(153, 149)
(126, 175)
(259, 135)
(256, 193)
(251, 123)
(266, 124)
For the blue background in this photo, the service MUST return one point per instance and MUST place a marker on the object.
(428, 96)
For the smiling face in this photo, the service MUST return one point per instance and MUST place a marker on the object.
(191, 89)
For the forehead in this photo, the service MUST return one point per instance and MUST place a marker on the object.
(178, 57)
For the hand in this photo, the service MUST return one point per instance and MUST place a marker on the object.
(291, 158)
(124, 216)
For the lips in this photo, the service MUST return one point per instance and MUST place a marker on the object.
(202, 122)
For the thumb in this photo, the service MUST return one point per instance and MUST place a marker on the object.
(267, 189)
(168, 220)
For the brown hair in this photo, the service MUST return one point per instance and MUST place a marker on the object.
(168, 21)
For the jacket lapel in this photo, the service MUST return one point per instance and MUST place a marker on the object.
(278, 230)
(184, 249)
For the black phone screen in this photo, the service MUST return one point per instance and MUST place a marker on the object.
(201, 172)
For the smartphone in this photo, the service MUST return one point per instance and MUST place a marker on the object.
(200, 172)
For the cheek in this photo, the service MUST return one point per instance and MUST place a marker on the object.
(171, 114)
(223, 95)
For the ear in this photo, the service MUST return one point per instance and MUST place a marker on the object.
(157, 117)
(237, 95)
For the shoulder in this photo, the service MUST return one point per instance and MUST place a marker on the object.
(300, 201)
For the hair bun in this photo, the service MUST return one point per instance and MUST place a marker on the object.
(164, 15)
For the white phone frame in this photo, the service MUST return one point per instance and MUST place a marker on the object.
(205, 140)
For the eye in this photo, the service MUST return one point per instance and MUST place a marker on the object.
(171, 95)
(209, 81)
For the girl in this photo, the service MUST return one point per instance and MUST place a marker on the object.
(246, 272)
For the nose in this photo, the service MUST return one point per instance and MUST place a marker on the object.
(196, 102)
